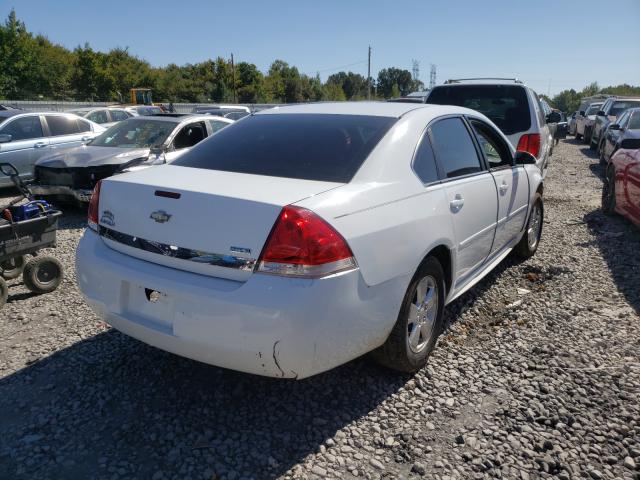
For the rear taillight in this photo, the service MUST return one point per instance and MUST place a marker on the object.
(529, 142)
(301, 244)
(92, 214)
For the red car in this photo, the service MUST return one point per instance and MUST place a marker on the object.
(621, 188)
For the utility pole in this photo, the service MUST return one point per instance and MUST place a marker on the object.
(369, 75)
(416, 69)
(432, 77)
(233, 70)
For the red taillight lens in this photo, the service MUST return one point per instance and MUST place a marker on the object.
(302, 244)
(529, 142)
(93, 207)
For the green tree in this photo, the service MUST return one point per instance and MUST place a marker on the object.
(85, 76)
(16, 58)
(388, 77)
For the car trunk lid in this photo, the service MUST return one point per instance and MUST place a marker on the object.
(205, 221)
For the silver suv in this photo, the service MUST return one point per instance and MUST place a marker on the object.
(25, 137)
(510, 104)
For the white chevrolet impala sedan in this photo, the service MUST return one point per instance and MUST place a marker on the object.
(305, 236)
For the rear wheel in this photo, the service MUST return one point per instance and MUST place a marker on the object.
(42, 274)
(592, 144)
(578, 136)
(419, 322)
(603, 160)
(529, 242)
(4, 292)
(609, 192)
(587, 135)
(12, 268)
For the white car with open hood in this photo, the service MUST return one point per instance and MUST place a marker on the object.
(305, 236)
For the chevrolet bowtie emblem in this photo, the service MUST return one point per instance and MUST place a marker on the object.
(160, 216)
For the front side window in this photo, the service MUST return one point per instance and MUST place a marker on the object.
(495, 151)
(634, 120)
(323, 147)
(99, 116)
(454, 148)
(424, 163)
(23, 128)
(135, 133)
(190, 135)
(61, 125)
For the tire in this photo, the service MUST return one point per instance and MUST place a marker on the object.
(528, 244)
(587, 135)
(578, 136)
(4, 292)
(603, 161)
(42, 274)
(609, 192)
(405, 352)
(592, 146)
(10, 269)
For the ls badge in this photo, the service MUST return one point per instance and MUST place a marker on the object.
(160, 216)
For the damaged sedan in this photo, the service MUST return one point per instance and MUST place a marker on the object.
(132, 144)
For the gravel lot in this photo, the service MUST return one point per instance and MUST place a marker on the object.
(538, 376)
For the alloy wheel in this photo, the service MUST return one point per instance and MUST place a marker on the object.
(423, 313)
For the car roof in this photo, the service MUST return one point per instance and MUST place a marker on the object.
(377, 109)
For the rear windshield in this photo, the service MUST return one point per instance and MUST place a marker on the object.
(320, 147)
(135, 133)
(620, 107)
(505, 105)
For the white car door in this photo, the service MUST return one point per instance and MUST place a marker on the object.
(511, 181)
(471, 193)
(64, 132)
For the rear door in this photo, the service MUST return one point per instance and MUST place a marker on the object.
(64, 132)
(471, 193)
(27, 143)
(511, 181)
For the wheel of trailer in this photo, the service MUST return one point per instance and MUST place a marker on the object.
(42, 274)
(12, 268)
(4, 292)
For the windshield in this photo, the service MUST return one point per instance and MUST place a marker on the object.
(320, 147)
(593, 109)
(506, 105)
(620, 107)
(135, 133)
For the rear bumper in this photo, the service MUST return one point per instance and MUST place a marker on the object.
(80, 195)
(268, 325)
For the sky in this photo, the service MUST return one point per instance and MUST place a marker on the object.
(551, 45)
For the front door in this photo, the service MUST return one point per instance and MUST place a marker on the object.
(511, 182)
(64, 132)
(470, 191)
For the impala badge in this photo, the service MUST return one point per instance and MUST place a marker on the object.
(160, 216)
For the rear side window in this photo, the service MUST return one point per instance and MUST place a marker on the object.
(506, 105)
(99, 116)
(23, 128)
(319, 147)
(454, 148)
(117, 115)
(216, 125)
(424, 163)
(59, 125)
(83, 126)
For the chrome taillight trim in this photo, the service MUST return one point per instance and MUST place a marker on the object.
(307, 271)
(180, 253)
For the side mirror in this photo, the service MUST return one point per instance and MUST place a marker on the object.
(582, 112)
(5, 138)
(614, 126)
(158, 149)
(601, 113)
(525, 158)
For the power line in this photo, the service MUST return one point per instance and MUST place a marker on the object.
(369, 75)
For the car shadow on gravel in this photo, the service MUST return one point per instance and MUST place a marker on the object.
(619, 243)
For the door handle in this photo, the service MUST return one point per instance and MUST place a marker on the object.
(503, 188)
(457, 203)
(40, 145)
